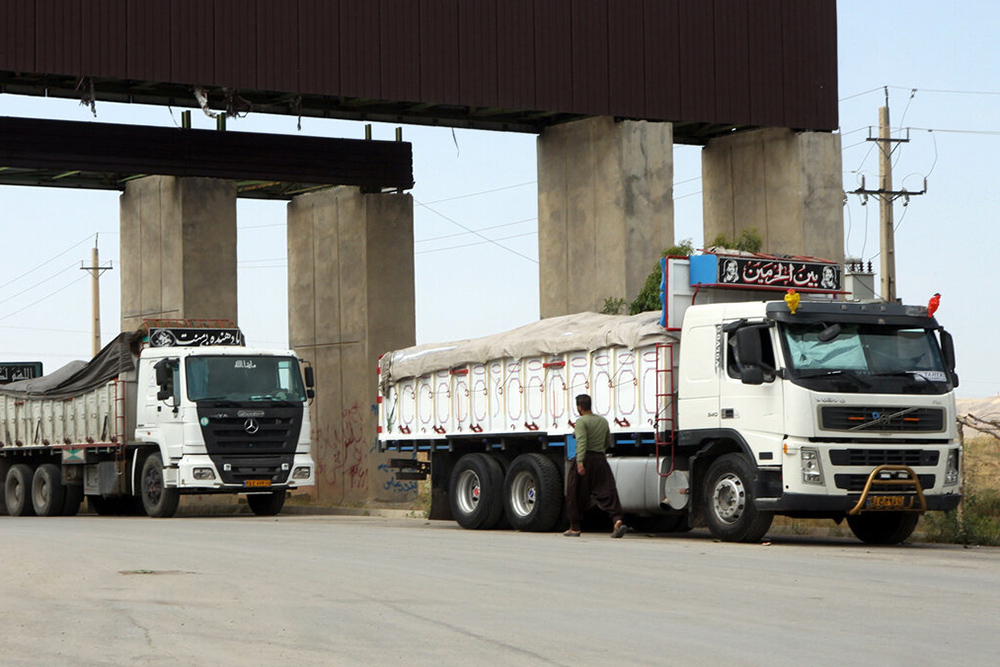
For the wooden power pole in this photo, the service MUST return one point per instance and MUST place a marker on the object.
(886, 195)
(96, 270)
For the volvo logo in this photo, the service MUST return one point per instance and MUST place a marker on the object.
(251, 426)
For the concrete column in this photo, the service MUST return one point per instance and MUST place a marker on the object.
(785, 184)
(350, 299)
(605, 210)
(178, 249)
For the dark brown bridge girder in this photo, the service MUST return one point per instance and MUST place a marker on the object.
(275, 166)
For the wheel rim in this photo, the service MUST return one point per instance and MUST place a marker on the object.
(18, 491)
(468, 490)
(41, 491)
(523, 494)
(154, 485)
(729, 498)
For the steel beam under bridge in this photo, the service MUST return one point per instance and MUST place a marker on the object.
(106, 156)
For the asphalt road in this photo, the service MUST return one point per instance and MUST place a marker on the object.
(334, 590)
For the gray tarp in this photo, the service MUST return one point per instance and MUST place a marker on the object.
(78, 377)
(554, 335)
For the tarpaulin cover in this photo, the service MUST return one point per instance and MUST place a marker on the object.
(79, 377)
(554, 335)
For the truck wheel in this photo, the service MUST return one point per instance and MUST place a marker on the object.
(48, 495)
(157, 499)
(729, 508)
(476, 492)
(888, 528)
(17, 490)
(266, 504)
(74, 498)
(533, 493)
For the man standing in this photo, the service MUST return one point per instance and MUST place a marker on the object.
(592, 475)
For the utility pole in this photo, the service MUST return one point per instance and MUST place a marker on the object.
(886, 195)
(96, 270)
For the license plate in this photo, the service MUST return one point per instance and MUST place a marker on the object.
(889, 502)
(256, 483)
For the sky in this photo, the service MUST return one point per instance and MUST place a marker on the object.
(475, 210)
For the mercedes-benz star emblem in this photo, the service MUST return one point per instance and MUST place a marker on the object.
(251, 426)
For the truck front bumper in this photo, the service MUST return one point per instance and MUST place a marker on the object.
(198, 473)
(801, 502)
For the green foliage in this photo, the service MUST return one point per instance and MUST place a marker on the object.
(976, 521)
(613, 306)
(749, 240)
(649, 296)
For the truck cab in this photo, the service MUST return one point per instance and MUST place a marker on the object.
(837, 410)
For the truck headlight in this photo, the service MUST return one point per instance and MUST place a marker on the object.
(951, 468)
(203, 473)
(302, 472)
(812, 468)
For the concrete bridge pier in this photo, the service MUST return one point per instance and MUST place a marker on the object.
(350, 299)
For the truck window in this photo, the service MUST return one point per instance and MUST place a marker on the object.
(244, 378)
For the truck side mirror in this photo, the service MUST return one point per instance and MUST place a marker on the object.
(948, 355)
(162, 369)
(310, 377)
(750, 355)
(752, 375)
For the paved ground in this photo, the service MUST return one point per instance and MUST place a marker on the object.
(349, 590)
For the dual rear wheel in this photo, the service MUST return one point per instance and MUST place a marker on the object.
(39, 491)
(529, 493)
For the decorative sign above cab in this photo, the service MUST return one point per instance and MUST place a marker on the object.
(177, 337)
(765, 272)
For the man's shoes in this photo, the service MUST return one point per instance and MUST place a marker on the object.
(620, 529)
(571, 533)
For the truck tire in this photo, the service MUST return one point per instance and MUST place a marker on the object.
(533, 493)
(887, 528)
(17, 490)
(729, 501)
(475, 492)
(74, 498)
(266, 504)
(158, 501)
(48, 495)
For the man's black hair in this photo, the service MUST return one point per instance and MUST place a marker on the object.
(583, 401)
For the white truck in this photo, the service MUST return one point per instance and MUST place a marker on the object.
(724, 413)
(181, 407)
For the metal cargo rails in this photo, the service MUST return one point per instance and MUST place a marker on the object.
(94, 417)
(523, 382)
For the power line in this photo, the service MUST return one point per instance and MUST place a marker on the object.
(47, 296)
(482, 192)
(482, 229)
(48, 261)
(469, 245)
(39, 283)
(472, 231)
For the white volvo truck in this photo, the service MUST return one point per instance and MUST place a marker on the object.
(181, 407)
(723, 409)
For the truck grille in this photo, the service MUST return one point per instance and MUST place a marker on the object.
(857, 483)
(878, 457)
(881, 419)
(254, 443)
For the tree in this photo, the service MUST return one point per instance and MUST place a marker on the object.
(649, 296)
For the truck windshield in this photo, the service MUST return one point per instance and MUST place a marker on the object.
(244, 379)
(871, 358)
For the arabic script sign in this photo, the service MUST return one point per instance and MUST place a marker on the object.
(194, 337)
(22, 370)
(728, 270)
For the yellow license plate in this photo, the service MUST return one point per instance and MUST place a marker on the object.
(889, 502)
(257, 482)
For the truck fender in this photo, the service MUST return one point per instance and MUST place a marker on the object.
(711, 443)
(139, 455)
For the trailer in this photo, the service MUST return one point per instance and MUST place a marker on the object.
(180, 407)
(725, 409)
